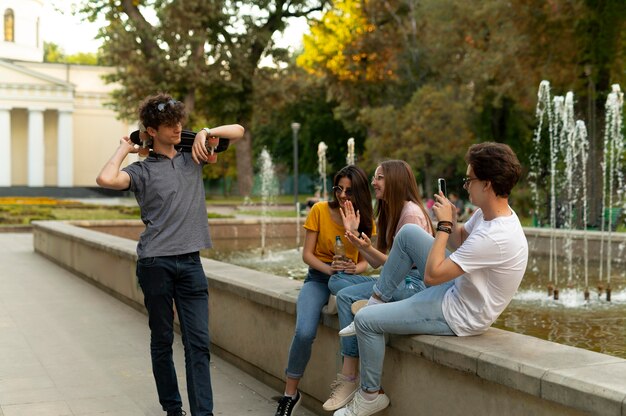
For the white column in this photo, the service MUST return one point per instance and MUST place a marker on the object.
(35, 147)
(65, 150)
(5, 146)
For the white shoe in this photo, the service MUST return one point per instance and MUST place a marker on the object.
(341, 392)
(331, 307)
(361, 407)
(348, 331)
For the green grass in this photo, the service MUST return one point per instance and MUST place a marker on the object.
(24, 214)
(235, 200)
(270, 213)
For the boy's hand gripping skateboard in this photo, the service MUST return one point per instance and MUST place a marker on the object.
(214, 145)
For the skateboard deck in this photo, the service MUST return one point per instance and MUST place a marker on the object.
(213, 144)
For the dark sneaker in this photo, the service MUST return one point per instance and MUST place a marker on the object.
(287, 406)
(176, 413)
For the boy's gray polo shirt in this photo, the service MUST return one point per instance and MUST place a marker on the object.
(170, 193)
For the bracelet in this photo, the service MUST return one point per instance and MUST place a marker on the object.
(446, 223)
(208, 131)
(444, 229)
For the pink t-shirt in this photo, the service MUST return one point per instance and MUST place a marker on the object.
(412, 214)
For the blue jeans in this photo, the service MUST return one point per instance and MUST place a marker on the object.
(180, 279)
(419, 314)
(312, 298)
(349, 288)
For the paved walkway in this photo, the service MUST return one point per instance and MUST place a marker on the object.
(68, 348)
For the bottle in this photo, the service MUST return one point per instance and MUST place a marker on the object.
(408, 284)
(340, 249)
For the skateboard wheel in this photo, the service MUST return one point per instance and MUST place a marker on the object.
(212, 158)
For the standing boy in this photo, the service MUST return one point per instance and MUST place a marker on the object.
(169, 189)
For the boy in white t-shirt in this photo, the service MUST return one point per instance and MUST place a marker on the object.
(469, 288)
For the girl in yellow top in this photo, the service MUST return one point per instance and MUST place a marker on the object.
(323, 224)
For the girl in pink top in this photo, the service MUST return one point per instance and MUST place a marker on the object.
(398, 203)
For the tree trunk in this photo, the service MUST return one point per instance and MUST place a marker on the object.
(244, 164)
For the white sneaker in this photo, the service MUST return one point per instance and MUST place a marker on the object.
(341, 392)
(331, 307)
(361, 407)
(348, 331)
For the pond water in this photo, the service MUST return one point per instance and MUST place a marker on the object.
(596, 325)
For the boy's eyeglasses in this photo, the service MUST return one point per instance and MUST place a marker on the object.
(467, 180)
(161, 106)
(338, 190)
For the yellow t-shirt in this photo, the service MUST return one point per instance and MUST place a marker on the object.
(320, 221)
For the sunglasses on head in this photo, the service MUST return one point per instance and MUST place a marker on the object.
(161, 106)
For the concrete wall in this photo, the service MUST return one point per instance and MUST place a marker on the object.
(241, 234)
(252, 316)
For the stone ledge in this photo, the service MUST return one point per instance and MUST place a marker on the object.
(580, 380)
(583, 379)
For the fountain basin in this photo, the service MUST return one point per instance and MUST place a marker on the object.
(596, 325)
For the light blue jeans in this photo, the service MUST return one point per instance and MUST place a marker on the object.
(419, 314)
(312, 298)
(350, 287)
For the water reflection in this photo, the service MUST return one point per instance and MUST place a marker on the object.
(596, 325)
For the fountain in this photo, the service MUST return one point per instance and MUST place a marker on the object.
(612, 173)
(269, 190)
(321, 167)
(350, 159)
(565, 203)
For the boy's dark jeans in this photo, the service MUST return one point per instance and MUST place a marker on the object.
(182, 279)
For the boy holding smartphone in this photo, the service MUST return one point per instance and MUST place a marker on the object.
(468, 288)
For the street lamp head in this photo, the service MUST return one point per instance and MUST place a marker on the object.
(295, 127)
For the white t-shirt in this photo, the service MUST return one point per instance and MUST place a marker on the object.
(494, 258)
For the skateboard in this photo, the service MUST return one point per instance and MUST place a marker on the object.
(214, 145)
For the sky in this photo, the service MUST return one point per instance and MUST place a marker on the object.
(74, 35)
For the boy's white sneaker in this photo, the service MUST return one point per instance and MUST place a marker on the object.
(361, 407)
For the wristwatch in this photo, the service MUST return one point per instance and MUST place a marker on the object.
(208, 131)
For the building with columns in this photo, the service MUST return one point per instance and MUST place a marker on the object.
(55, 130)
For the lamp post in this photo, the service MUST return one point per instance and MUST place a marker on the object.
(295, 127)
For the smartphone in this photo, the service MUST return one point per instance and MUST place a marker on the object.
(441, 184)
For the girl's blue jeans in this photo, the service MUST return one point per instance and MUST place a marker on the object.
(312, 298)
(350, 287)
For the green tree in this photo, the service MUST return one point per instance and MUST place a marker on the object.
(54, 54)
(291, 95)
(205, 52)
(431, 133)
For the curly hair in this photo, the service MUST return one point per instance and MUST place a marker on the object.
(161, 110)
(497, 163)
(361, 196)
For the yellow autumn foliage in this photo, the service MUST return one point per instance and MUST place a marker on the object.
(338, 45)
